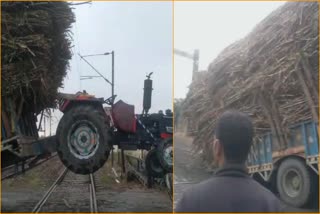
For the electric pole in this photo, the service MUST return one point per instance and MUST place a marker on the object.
(194, 57)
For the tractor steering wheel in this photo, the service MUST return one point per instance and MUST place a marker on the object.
(110, 100)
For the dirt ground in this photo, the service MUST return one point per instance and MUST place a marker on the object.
(189, 168)
(22, 193)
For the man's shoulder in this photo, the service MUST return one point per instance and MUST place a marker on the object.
(210, 185)
(197, 194)
(203, 185)
(218, 192)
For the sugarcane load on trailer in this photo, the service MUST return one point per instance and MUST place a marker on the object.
(271, 75)
(88, 131)
(36, 49)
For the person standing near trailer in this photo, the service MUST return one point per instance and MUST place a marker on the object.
(231, 189)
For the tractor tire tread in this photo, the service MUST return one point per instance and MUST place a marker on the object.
(97, 161)
(153, 161)
(160, 149)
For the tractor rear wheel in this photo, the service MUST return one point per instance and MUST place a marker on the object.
(165, 154)
(83, 142)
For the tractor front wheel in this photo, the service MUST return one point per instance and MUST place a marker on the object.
(165, 154)
(153, 165)
(83, 142)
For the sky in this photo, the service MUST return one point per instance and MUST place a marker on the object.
(210, 27)
(140, 33)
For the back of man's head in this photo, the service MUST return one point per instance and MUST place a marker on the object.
(234, 130)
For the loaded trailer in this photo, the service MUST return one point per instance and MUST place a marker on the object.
(20, 139)
(36, 52)
(291, 172)
(272, 76)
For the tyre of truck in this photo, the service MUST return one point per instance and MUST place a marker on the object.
(292, 173)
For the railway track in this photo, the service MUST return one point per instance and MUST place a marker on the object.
(135, 168)
(93, 198)
(13, 170)
(55, 199)
(60, 190)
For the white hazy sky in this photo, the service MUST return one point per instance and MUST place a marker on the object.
(140, 33)
(210, 27)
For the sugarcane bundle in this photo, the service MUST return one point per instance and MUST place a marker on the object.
(35, 50)
(271, 74)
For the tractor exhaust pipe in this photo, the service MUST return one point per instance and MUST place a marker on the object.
(147, 94)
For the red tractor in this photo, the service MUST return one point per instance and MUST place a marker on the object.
(88, 131)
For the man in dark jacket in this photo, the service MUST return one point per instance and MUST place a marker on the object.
(231, 189)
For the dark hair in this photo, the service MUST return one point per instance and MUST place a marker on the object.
(235, 132)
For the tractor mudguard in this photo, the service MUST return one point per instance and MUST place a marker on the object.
(66, 100)
(123, 117)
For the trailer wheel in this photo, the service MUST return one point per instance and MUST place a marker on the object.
(294, 182)
(165, 154)
(83, 142)
(153, 165)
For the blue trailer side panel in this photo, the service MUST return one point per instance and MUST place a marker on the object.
(268, 146)
(311, 141)
(262, 152)
(303, 134)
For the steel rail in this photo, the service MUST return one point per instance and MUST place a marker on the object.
(44, 199)
(93, 198)
(27, 167)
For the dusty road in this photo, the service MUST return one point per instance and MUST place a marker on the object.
(188, 167)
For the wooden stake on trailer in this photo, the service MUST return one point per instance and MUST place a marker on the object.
(6, 123)
(112, 157)
(266, 108)
(306, 91)
(118, 154)
(50, 121)
(277, 119)
(123, 162)
(308, 70)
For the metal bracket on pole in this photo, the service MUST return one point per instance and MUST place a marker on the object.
(95, 70)
(195, 62)
(194, 57)
(100, 75)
